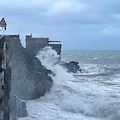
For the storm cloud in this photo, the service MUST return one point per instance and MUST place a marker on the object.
(83, 24)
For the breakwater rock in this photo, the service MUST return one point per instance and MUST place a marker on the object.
(28, 79)
(71, 66)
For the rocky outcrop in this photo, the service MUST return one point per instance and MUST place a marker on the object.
(29, 79)
(71, 66)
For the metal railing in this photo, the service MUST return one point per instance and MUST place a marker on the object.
(54, 42)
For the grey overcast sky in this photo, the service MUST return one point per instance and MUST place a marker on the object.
(79, 24)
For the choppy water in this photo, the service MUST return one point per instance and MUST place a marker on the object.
(93, 94)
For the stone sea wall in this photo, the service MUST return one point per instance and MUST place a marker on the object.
(25, 78)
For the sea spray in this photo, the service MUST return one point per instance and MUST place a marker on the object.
(83, 96)
(49, 58)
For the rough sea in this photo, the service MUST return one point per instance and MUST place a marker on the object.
(93, 94)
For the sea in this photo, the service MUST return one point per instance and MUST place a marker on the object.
(92, 94)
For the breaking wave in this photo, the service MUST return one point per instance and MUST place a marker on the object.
(86, 95)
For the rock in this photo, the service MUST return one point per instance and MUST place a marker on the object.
(71, 66)
(7, 83)
(18, 108)
(28, 78)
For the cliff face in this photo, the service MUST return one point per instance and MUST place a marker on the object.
(1, 80)
(29, 79)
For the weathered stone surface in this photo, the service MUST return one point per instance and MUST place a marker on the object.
(1, 81)
(28, 79)
(7, 84)
(71, 66)
(33, 45)
(17, 108)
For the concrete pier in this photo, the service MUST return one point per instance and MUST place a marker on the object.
(33, 45)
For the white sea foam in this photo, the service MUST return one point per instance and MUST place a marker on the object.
(73, 98)
(92, 69)
(49, 59)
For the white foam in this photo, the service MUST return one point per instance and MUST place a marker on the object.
(70, 100)
(49, 111)
(49, 59)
